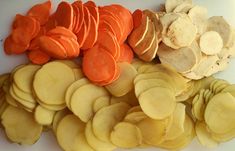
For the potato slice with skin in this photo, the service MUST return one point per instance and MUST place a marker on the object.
(220, 108)
(94, 142)
(126, 135)
(72, 126)
(157, 102)
(211, 43)
(101, 102)
(204, 135)
(108, 117)
(20, 126)
(177, 126)
(170, 5)
(84, 109)
(23, 77)
(43, 116)
(124, 83)
(58, 117)
(61, 76)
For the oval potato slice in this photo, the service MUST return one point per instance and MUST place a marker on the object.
(43, 116)
(101, 102)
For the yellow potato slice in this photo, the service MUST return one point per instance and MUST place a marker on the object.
(177, 126)
(3, 77)
(3, 107)
(134, 109)
(20, 126)
(139, 33)
(52, 107)
(211, 43)
(198, 106)
(82, 101)
(223, 137)
(94, 142)
(135, 117)
(43, 116)
(157, 102)
(129, 98)
(24, 76)
(23, 95)
(72, 64)
(126, 135)
(170, 5)
(101, 102)
(229, 89)
(80, 143)
(78, 73)
(136, 63)
(145, 67)
(58, 117)
(10, 100)
(208, 95)
(218, 85)
(106, 118)
(153, 131)
(51, 81)
(220, 25)
(124, 83)
(186, 93)
(219, 113)
(204, 136)
(68, 129)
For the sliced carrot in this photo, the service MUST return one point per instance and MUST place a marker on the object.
(80, 21)
(21, 37)
(87, 20)
(62, 31)
(98, 65)
(92, 36)
(64, 15)
(76, 47)
(38, 57)
(75, 18)
(51, 23)
(81, 35)
(34, 44)
(40, 12)
(137, 17)
(109, 42)
(52, 47)
(37, 29)
(94, 11)
(90, 3)
(126, 53)
(104, 25)
(11, 47)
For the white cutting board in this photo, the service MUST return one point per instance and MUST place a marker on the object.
(8, 9)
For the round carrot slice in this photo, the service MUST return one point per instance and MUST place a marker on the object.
(90, 3)
(38, 57)
(98, 64)
(76, 16)
(93, 10)
(126, 53)
(20, 36)
(52, 47)
(62, 31)
(64, 15)
(51, 23)
(137, 17)
(76, 47)
(87, 20)
(81, 35)
(10, 47)
(80, 21)
(104, 25)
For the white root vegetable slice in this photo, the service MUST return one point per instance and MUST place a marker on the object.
(101, 102)
(20, 126)
(82, 100)
(183, 8)
(211, 43)
(43, 116)
(51, 81)
(170, 5)
(157, 102)
(219, 113)
(108, 117)
(126, 135)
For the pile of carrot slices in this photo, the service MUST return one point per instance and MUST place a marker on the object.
(98, 34)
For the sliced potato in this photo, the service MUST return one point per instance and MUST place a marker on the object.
(108, 117)
(198, 106)
(223, 137)
(23, 95)
(101, 102)
(230, 89)
(58, 117)
(3, 77)
(135, 117)
(43, 116)
(129, 98)
(80, 143)
(72, 64)
(78, 73)
(10, 100)
(134, 109)
(170, 5)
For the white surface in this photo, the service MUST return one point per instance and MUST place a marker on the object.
(8, 9)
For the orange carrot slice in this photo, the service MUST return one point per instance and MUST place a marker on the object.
(98, 65)
(38, 57)
(80, 20)
(90, 3)
(64, 15)
(94, 11)
(104, 25)
(21, 37)
(51, 23)
(137, 17)
(76, 47)
(62, 31)
(40, 12)
(75, 18)
(126, 53)
(11, 47)
(52, 47)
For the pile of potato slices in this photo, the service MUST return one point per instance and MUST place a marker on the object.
(184, 38)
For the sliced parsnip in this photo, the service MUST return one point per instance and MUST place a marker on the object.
(157, 102)
(101, 102)
(126, 135)
(51, 81)
(20, 126)
(43, 116)
(82, 100)
(170, 5)
(108, 117)
(124, 83)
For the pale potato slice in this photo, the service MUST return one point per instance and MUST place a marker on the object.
(153, 131)
(198, 106)
(197, 50)
(20, 126)
(199, 15)
(182, 32)
(23, 77)
(52, 107)
(94, 142)
(183, 8)
(135, 117)
(182, 60)
(43, 116)
(186, 93)
(106, 118)
(51, 81)
(80, 143)
(229, 89)
(170, 5)
(136, 63)
(101, 102)
(207, 96)
(139, 33)
(144, 68)
(177, 127)
(23, 95)
(152, 104)
(72, 64)
(129, 98)
(58, 117)
(78, 73)
(223, 137)
(219, 113)
(10, 100)
(211, 43)
(220, 25)
(134, 109)
(82, 100)
(218, 85)
(204, 136)
(68, 129)
(124, 83)
(126, 135)
(224, 53)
